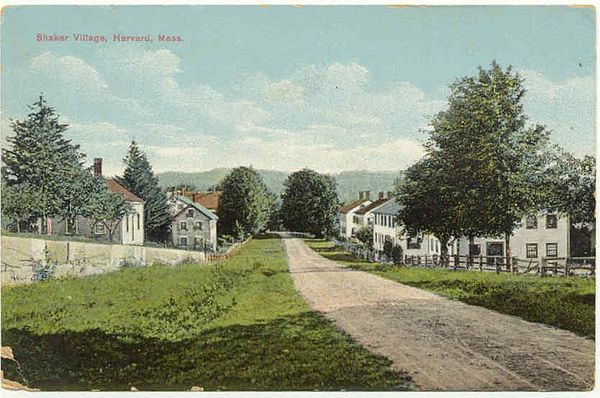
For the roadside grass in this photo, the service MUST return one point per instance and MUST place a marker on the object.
(236, 325)
(566, 303)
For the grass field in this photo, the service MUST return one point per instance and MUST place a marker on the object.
(567, 303)
(239, 325)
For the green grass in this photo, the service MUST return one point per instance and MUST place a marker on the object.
(238, 325)
(566, 303)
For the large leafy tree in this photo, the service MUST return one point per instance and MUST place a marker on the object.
(246, 203)
(492, 159)
(108, 209)
(139, 178)
(428, 203)
(19, 204)
(309, 203)
(39, 156)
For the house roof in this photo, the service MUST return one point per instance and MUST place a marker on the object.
(210, 200)
(351, 205)
(372, 206)
(391, 206)
(114, 186)
(209, 214)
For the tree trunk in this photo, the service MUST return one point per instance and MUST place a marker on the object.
(509, 263)
(444, 252)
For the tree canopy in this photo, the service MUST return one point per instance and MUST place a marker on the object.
(246, 203)
(139, 178)
(309, 203)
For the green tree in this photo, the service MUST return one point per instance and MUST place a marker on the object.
(77, 197)
(365, 236)
(39, 155)
(19, 203)
(309, 203)
(428, 203)
(139, 178)
(107, 208)
(570, 187)
(246, 203)
(492, 160)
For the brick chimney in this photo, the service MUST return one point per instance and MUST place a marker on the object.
(381, 195)
(361, 195)
(98, 167)
(368, 195)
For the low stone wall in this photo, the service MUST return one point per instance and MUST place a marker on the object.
(21, 256)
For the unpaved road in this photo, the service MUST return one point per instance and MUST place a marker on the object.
(442, 344)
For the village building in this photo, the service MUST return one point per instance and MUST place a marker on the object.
(193, 226)
(363, 217)
(347, 222)
(128, 231)
(542, 235)
(386, 228)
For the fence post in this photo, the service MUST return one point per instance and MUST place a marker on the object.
(496, 264)
(543, 266)
(480, 262)
(456, 261)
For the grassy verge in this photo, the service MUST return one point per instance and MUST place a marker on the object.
(566, 303)
(238, 325)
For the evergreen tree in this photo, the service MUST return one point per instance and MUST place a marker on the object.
(246, 203)
(39, 156)
(139, 178)
(309, 203)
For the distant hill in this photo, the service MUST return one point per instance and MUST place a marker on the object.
(349, 182)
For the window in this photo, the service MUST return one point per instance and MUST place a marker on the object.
(413, 243)
(355, 219)
(70, 227)
(531, 250)
(551, 221)
(183, 241)
(531, 222)
(99, 229)
(190, 213)
(138, 221)
(183, 225)
(495, 249)
(198, 241)
(198, 225)
(551, 249)
(474, 250)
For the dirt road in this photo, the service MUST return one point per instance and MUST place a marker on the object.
(443, 344)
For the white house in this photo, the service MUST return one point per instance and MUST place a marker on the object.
(385, 228)
(346, 214)
(545, 234)
(363, 217)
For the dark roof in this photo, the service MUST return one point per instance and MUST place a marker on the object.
(209, 214)
(351, 205)
(210, 200)
(114, 186)
(372, 206)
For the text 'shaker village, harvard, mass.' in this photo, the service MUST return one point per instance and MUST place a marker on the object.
(118, 38)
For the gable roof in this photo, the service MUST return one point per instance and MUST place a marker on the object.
(210, 200)
(372, 206)
(209, 214)
(390, 207)
(113, 186)
(351, 205)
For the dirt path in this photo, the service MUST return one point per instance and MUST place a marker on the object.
(443, 344)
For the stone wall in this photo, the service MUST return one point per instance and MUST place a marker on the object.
(21, 256)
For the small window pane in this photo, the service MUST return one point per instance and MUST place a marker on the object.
(551, 221)
(532, 250)
(531, 222)
(551, 250)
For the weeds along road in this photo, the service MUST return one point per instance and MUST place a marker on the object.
(442, 344)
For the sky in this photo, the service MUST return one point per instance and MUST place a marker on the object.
(331, 88)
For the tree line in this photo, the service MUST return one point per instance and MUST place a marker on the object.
(43, 176)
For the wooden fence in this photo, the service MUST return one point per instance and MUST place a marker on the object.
(214, 257)
(566, 266)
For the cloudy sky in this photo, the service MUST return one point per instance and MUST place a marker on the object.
(282, 87)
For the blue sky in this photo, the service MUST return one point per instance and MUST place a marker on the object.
(282, 87)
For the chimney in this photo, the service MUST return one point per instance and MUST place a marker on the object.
(361, 195)
(98, 167)
(368, 195)
(390, 194)
(381, 195)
